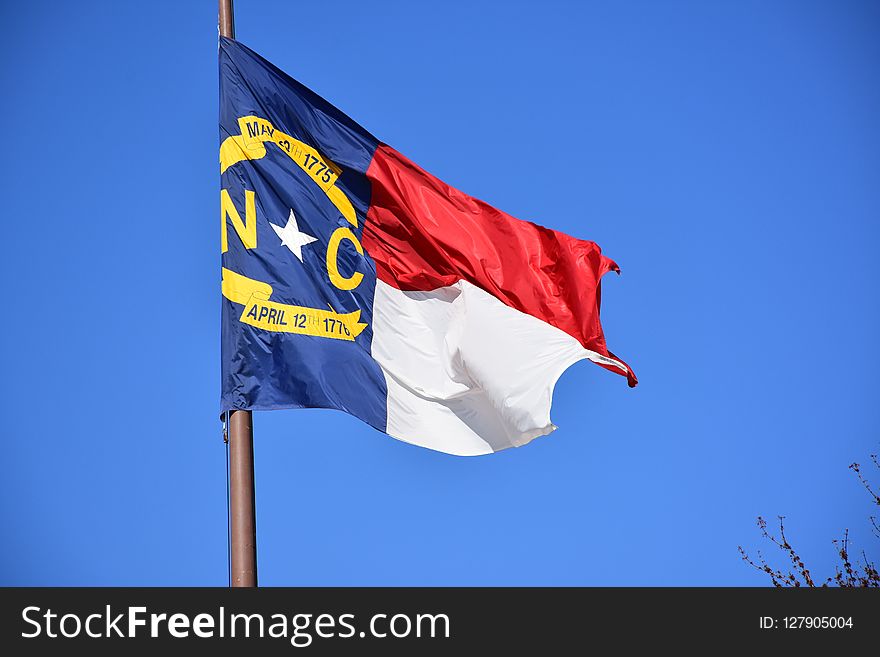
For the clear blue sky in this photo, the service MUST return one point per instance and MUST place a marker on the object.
(725, 154)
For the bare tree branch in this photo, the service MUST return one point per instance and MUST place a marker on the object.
(847, 574)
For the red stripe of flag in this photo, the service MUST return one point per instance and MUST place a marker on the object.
(424, 234)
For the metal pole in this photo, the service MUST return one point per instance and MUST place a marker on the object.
(226, 19)
(242, 506)
(241, 499)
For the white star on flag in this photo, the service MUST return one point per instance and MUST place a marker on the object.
(292, 237)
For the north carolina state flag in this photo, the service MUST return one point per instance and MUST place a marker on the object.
(353, 279)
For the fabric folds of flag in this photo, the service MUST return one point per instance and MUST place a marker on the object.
(353, 279)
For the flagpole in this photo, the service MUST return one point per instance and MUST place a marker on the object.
(242, 505)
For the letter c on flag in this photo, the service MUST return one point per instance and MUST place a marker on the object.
(343, 233)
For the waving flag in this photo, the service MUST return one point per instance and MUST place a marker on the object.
(353, 279)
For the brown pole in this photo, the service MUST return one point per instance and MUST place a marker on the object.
(242, 508)
(226, 19)
(242, 505)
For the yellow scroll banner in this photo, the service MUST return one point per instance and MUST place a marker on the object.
(250, 145)
(285, 318)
